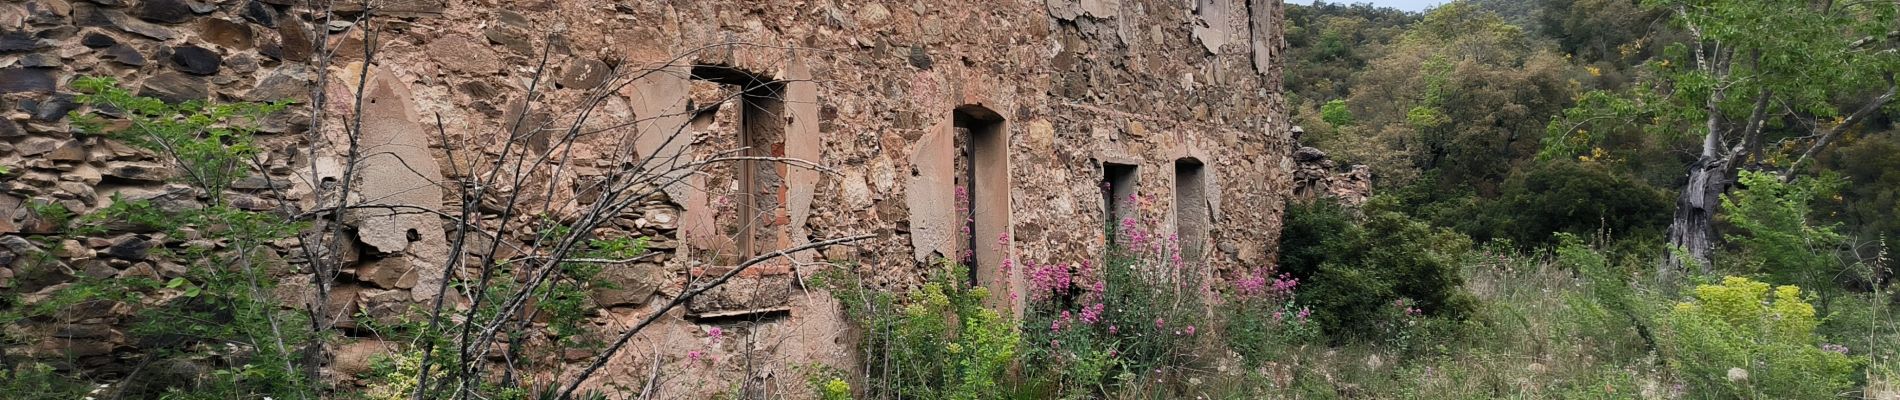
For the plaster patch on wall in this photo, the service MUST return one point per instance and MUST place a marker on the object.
(930, 192)
(397, 169)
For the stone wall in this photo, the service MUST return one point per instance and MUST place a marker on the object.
(869, 91)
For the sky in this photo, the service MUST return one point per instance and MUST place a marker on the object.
(1407, 5)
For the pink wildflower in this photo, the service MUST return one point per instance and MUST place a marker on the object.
(1093, 313)
(1160, 323)
(695, 355)
(1252, 285)
(716, 333)
(1190, 330)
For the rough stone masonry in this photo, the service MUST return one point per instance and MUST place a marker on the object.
(974, 129)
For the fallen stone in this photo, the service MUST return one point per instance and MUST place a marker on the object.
(231, 35)
(196, 60)
(173, 87)
(26, 80)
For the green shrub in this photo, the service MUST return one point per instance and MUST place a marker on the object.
(1739, 339)
(1577, 198)
(941, 342)
(1356, 272)
(1777, 236)
(1335, 112)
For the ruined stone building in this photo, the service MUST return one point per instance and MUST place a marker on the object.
(983, 129)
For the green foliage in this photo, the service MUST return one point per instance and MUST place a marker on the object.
(1870, 199)
(1739, 339)
(212, 143)
(827, 383)
(1355, 272)
(940, 343)
(1563, 196)
(221, 310)
(1777, 236)
(50, 213)
(1336, 113)
(35, 381)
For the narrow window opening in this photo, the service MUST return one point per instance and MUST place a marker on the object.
(740, 115)
(1191, 214)
(1118, 195)
(983, 193)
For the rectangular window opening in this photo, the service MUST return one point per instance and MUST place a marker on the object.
(739, 114)
(983, 185)
(1191, 213)
(1118, 195)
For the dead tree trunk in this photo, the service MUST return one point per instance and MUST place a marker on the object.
(1690, 233)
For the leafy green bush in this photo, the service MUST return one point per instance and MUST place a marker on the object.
(1356, 272)
(941, 342)
(1565, 196)
(1739, 339)
(1778, 237)
(1335, 112)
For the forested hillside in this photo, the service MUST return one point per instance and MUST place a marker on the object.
(1666, 198)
